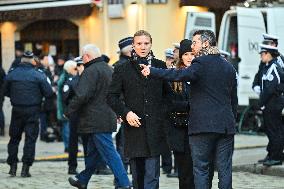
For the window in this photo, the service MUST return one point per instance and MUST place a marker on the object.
(157, 1)
(112, 2)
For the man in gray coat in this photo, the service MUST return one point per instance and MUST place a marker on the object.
(96, 119)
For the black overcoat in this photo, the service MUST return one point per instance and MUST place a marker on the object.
(145, 97)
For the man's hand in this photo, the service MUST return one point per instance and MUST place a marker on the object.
(119, 120)
(146, 70)
(133, 119)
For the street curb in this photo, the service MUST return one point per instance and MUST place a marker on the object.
(249, 147)
(260, 169)
(61, 157)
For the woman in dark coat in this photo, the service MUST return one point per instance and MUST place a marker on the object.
(178, 120)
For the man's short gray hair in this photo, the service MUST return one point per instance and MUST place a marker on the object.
(206, 35)
(92, 50)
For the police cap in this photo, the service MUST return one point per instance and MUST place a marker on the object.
(28, 54)
(270, 37)
(79, 60)
(268, 48)
(125, 42)
(169, 53)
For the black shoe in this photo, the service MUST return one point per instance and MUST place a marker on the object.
(105, 171)
(172, 175)
(75, 182)
(72, 171)
(13, 170)
(25, 171)
(272, 162)
(263, 160)
(66, 150)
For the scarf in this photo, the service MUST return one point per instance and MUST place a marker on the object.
(142, 60)
(212, 50)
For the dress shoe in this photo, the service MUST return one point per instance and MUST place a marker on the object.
(263, 160)
(72, 171)
(76, 183)
(25, 171)
(105, 171)
(272, 162)
(172, 175)
(13, 170)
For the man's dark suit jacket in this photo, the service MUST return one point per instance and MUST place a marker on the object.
(213, 97)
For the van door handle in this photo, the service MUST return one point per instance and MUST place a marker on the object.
(245, 77)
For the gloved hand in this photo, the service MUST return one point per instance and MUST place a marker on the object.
(256, 89)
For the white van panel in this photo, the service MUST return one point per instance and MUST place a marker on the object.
(275, 25)
(251, 26)
(198, 21)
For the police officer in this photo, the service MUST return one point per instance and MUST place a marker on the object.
(26, 87)
(125, 48)
(271, 103)
(272, 41)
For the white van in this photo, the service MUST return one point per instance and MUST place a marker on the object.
(240, 34)
(199, 21)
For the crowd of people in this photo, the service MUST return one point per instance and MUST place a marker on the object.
(185, 105)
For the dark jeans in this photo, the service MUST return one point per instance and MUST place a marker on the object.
(202, 147)
(145, 172)
(101, 144)
(23, 120)
(185, 170)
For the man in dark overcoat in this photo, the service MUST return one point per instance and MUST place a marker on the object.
(142, 111)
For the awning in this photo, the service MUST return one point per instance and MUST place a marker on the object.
(222, 4)
(15, 10)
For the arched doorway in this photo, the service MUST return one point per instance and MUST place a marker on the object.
(55, 37)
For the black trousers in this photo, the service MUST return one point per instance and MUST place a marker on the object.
(24, 119)
(73, 141)
(185, 170)
(274, 130)
(145, 172)
(120, 143)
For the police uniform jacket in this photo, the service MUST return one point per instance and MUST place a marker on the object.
(269, 96)
(122, 59)
(69, 86)
(26, 86)
(90, 99)
(213, 93)
(145, 97)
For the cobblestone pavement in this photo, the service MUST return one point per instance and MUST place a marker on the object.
(52, 175)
